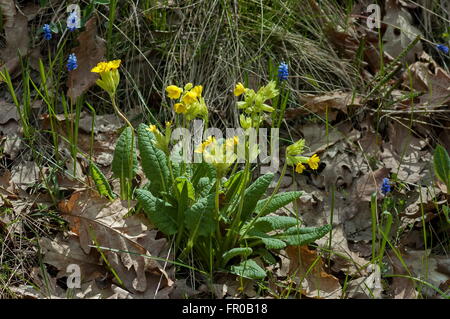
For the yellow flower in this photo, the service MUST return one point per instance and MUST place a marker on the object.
(173, 91)
(180, 108)
(300, 168)
(231, 142)
(198, 89)
(100, 67)
(190, 97)
(114, 64)
(313, 161)
(168, 124)
(152, 128)
(201, 148)
(103, 67)
(109, 75)
(239, 89)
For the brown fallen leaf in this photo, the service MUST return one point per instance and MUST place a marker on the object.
(400, 32)
(98, 221)
(421, 264)
(25, 174)
(319, 104)
(366, 287)
(10, 138)
(317, 139)
(307, 268)
(17, 40)
(90, 51)
(8, 111)
(401, 288)
(61, 253)
(8, 9)
(428, 77)
(406, 155)
(368, 184)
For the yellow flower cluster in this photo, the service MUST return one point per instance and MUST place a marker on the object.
(294, 157)
(191, 103)
(109, 75)
(220, 154)
(254, 105)
(162, 141)
(106, 66)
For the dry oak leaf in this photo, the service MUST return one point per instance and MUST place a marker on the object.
(90, 51)
(368, 184)
(400, 32)
(16, 36)
(310, 275)
(61, 252)
(334, 101)
(8, 9)
(426, 76)
(97, 219)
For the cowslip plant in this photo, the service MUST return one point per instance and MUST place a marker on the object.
(212, 210)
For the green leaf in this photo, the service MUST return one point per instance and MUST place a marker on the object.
(233, 184)
(202, 169)
(270, 223)
(242, 251)
(184, 182)
(200, 217)
(273, 243)
(124, 164)
(266, 255)
(269, 241)
(204, 186)
(296, 236)
(154, 161)
(161, 214)
(254, 193)
(441, 161)
(278, 201)
(103, 187)
(249, 269)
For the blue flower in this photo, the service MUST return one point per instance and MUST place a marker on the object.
(73, 21)
(442, 48)
(283, 71)
(386, 186)
(47, 32)
(72, 62)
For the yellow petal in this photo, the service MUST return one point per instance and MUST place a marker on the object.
(198, 89)
(100, 67)
(180, 108)
(300, 168)
(114, 64)
(239, 89)
(313, 161)
(173, 91)
(190, 97)
(152, 128)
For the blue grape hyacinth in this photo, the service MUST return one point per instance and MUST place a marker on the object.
(283, 72)
(386, 186)
(73, 21)
(72, 62)
(47, 32)
(442, 48)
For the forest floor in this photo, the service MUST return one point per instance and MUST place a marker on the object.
(372, 103)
